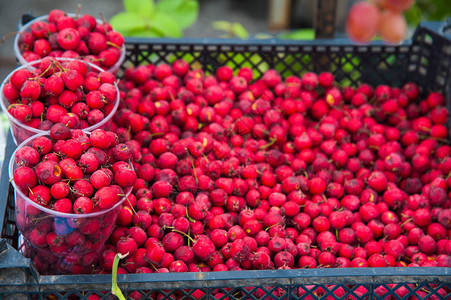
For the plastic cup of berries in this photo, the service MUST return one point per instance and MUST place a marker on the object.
(67, 35)
(68, 193)
(44, 92)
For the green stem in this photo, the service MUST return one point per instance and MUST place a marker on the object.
(192, 165)
(115, 290)
(271, 142)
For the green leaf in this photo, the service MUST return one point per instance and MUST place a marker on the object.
(222, 25)
(149, 33)
(184, 12)
(262, 35)
(301, 34)
(115, 290)
(165, 25)
(240, 31)
(127, 21)
(143, 8)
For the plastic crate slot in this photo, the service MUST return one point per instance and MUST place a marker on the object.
(404, 49)
(446, 50)
(335, 49)
(239, 48)
(391, 49)
(225, 48)
(144, 48)
(444, 66)
(140, 292)
(167, 293)
(376, 49)
(424, 61)
(252, 48)
(249, 292)
(422, 70)
(441, 81)
(359, 49)
(427, 39)
(198, 48)
(426, 52)
(414, 58)
(185, 48)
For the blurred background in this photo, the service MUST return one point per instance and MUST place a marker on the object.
(293, 19)
(256, 16)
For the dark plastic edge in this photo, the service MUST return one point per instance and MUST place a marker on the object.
(256, 42)
(4, 181)
(358, 275)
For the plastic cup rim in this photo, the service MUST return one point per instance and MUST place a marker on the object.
(30, 66)
(27, 25)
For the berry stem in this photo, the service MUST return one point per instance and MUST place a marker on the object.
(271, 142)
(6, 36)
(188, 217)
(192, 165)
(268, 228)
(45, 71)
(131, 206)
(113, 45)
(153, 267)
(406, 221)
(206, 158)
(104, 21)
(180, 232)
(78, 10)
(115, 290)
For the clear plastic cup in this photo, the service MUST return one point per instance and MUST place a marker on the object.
(27, 27)
(21, 131)
(80, 237)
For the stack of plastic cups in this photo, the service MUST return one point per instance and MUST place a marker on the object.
(79, 239)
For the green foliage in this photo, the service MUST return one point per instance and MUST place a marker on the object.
(231, 29)
(142, 8)
(184, 12)
(299, 34)
(427, 10)
(165, 18)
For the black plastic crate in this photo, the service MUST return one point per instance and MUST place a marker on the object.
(425, 60)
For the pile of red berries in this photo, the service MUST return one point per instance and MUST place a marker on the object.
(70, 36)
(72, 92)
(70, 186)
(239, 174)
